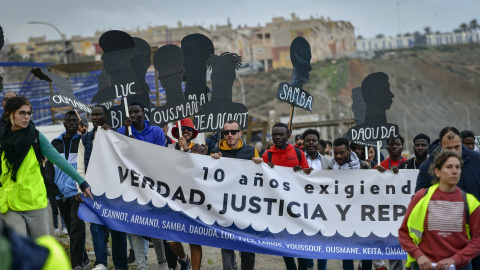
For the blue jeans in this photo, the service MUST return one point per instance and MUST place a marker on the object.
(322, 264)
(119, 246)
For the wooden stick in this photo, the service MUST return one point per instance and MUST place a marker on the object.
(378, 152)
(79, 119)
(127, 114)
(291, 118)
(179, 129)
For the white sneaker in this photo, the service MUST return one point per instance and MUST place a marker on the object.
(100, 267)
(57, 231)
(163, 266)
(64, 231)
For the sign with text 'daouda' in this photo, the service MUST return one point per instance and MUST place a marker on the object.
(292, 93)
(168, 61)
(121, 55)
(64, 96)
(221, 108)
(376, 94)
(196, 48)
(359, 108)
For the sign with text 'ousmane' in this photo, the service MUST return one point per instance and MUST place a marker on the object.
(236, 204)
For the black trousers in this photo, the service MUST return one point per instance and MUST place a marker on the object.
(75, 228)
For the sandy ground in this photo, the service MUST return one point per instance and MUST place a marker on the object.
(211, 260)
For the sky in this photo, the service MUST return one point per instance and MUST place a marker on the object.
(369, 17)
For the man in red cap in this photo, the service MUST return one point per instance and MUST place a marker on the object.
(186, 143)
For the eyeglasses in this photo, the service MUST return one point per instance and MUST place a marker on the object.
(187, 128)
(23, 113)
(233, 131)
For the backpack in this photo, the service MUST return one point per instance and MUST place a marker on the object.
(48, 178)
(298, 151)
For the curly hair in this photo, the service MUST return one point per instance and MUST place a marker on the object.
(227, 58)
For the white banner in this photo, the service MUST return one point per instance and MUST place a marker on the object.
(154, 191)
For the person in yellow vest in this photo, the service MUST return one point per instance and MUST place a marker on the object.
(442, 224)
(23, 196)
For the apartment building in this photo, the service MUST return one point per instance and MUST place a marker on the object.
(269, 44)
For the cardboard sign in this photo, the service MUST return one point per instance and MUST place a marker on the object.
(2, 41)
(378, 97)
(2, 38)
(359, 108)
(120, 55)
(196, 48)
(117, 112)
(168, 61)
(64, 96)
(221, 108)
(292, 93)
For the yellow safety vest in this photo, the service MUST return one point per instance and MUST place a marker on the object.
(416, 220)
(28, 192)
(57, 258)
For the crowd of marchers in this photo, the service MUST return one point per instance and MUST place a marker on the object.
(442, 213)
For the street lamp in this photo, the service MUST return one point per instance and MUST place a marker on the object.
(467, 109)
(61, 35)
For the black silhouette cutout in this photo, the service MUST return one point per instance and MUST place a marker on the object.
(119, 51)
(196, 48)
(359, 108)
(378, 97)
(64, 96)
(292, 93)
(2, 42)
(168, 61)
(221, 108)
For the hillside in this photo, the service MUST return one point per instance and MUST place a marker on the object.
(432, 88)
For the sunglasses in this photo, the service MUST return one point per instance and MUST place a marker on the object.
(187, 129)
(23, 113)
(233, 131)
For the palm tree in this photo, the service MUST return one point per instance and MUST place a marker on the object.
(464, 27)
(474, 25)
(427, 30)
(380, 36)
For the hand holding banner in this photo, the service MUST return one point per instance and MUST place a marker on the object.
(154, 191)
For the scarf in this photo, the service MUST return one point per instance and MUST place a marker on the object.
(16, 145)
(353, 164)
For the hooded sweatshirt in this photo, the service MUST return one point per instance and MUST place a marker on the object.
(353, 164)
(286, 158)
(469, 178)
(243, 151)
(151, 134)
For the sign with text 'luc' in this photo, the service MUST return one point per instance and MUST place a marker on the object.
(160, 192)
